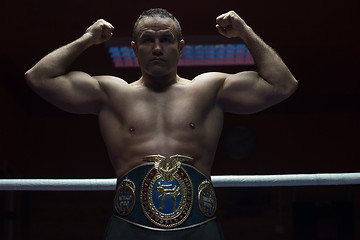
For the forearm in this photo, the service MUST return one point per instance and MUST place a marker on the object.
(57, 62)
(269, 64)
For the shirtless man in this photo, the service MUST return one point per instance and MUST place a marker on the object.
(174, 120)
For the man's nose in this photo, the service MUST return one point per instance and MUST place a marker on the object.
(157, 49)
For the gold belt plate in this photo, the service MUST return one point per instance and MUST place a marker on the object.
(167, 192)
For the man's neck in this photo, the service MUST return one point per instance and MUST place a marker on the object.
(160, 83)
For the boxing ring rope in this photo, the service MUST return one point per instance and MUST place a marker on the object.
(109, 184)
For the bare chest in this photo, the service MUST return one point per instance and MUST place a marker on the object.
(181, 121)
(164, 112)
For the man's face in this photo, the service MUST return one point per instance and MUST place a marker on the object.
(157, 47)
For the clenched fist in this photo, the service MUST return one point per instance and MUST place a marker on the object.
(230, 25)
(100, 31)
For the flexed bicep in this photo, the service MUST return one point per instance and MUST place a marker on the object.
(75, 92)
(247, 92)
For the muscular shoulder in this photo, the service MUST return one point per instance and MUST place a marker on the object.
(114, 86)
(115, 89)
(212, 79)
(108, 82)
(210, 82)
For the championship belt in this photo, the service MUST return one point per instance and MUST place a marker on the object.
(166, 194)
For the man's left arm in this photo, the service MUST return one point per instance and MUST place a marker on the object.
(249, 92)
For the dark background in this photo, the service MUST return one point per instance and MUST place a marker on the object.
(314, 131)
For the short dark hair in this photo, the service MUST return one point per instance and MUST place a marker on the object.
(157, 12)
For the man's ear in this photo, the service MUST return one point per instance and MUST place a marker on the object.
(181, 46)
(134, 47)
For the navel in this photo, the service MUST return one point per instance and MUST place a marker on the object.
(192, 125)
(131, 129)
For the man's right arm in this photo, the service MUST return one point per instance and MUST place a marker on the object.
(75, 92)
